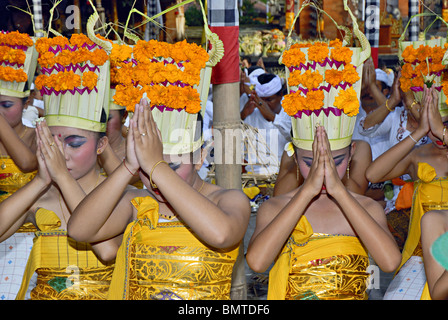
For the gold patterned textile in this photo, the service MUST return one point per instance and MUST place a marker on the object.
(66, 269)
(315, 266)
(11, 180)
(167, 261)
(430, 193)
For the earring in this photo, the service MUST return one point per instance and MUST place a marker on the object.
(98, 151)
(348, 170)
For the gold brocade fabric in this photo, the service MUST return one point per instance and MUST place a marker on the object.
(166, 261)
(314, 266)
(66, 269)
(11, 180)
(430, 193)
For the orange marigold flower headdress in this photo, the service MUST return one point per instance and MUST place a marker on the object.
(324, 85)
(75, 79)
(17, 63)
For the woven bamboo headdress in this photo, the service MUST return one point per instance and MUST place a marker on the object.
(324, 86)
(175, 78)
(18, 61)
(75, 80)
(424, 62)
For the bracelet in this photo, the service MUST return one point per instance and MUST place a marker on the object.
(412, 138)
(387, 107)
(153, 185)
(443, 136)
(124, 163)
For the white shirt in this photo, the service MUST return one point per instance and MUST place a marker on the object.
(269, 142)
(392, 130)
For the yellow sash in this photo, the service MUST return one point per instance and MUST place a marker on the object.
(308, 252)
(166, 260)
(59, 258)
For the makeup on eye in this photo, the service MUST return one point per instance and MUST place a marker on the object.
(174, 166)
(337, 160)
(75, 141)
(6, 104)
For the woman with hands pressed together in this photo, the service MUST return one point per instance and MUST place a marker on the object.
(428, 169)
(319, 233)
(67, 172)
(183, 232)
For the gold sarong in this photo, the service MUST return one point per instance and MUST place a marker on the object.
(66, 269)
(315, 266)
(167, 261)
(430, 193)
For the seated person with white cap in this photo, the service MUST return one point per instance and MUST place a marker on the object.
(263, 111)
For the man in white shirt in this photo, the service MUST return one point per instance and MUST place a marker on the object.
(262, 109)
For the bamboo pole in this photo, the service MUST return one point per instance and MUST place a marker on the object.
(226, 117)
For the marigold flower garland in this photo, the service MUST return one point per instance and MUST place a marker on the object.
(12, 53)
(166, 72)
(67, 56)
(310, 84)
(421, 66)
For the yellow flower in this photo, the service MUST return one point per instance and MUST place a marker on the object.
(348, 102)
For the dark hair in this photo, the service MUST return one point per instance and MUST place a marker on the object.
(252, 69)
(266, 78)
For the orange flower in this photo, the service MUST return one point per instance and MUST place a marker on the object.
(336, 43)
(311, 80)
(423, 52)
(98, 57)
(15, 38)
(89, 79)
(80, 39)
(348, 102)
(333, 77)
(407, 71)
(350, 74)
(127, 96)
(437, 54)
(120, 53)
(193, 101)
(409, 54)
(318, 52)
(314, 100)
(342, 54)
(46, 59)
(292, 103)
(10, 74)
(293, 57)
(405, 84)
(12, 55)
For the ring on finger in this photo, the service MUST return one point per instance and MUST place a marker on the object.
(143, 134)
(51, 144)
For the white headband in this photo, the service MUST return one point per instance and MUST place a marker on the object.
(270, 88)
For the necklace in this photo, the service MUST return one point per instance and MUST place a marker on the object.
(167, 217)
(60, 202)
(3, 165)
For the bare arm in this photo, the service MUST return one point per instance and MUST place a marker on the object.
(398, 159)
(288, 175)
(221, 223)
(19, 152)
(433, 225)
